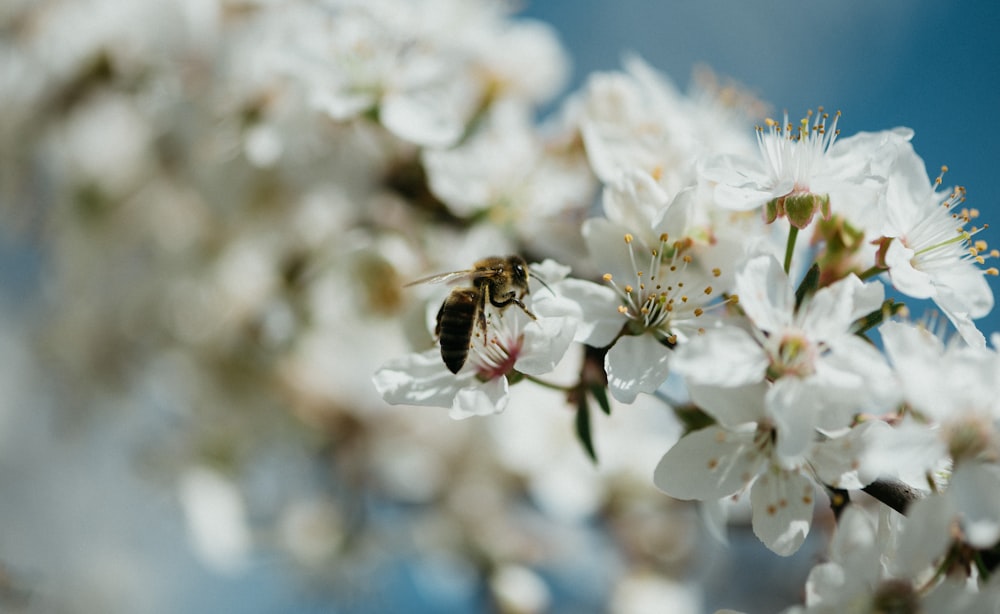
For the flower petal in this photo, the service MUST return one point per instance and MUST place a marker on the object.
(731, 407)
(840, 462)
(481, 399)
(903, 275)
(419, 379)
(782, 503)
(710, 463)
(792, 403)
(975, 488)
(726, 356)
(593, 306)
(924, 535)
(606, 244)
(544, 343)
(636, 364)
(743, 184)
(765, 294)
(832, 310)
(634, 198)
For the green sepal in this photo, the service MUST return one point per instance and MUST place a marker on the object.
(808, 285)
(867, 322)
(693, 418)
(824, 206)
(800, 208)
(583, 427)
(601, 396)
(772, 210)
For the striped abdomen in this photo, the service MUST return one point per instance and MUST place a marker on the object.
(455, 321)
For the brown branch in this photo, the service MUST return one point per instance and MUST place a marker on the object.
(893, 493)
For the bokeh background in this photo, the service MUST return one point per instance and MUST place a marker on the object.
(172, 441)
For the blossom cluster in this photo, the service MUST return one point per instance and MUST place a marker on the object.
(747, 279)
(231, 196)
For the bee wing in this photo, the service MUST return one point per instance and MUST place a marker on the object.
(441, 278)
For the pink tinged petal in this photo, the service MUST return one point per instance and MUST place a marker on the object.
(975, 488)
(726, 356)
(782, 503)
(841, 462)
(480, 399)
(419, 379)
(904, 277)
(636, 364)
(765, 294)
(544, 343)
(710, 463)
(792, 404)
(731, 407)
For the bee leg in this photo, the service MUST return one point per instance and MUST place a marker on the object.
(481, 312)
(511, 297)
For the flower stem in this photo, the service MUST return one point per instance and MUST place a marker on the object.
(549, 385)
(872, 272)
(793, 234)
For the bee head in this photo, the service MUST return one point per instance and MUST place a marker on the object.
(519, 271)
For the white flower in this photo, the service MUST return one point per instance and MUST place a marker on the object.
(954, 388)
(633, 199)
(853, 579)
(356, 59)
(514, 344)
(638, 120)
(505, 168)
(892, 567)
(931, 254)
(655, 299)
(741, 451)
(794, 162)
(823, 373)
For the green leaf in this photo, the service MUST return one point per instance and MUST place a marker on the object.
(693, 418)
(601, 396)
(888, 309)
(583, 427)
(808, 286)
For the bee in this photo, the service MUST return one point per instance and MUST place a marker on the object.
(500, 281)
